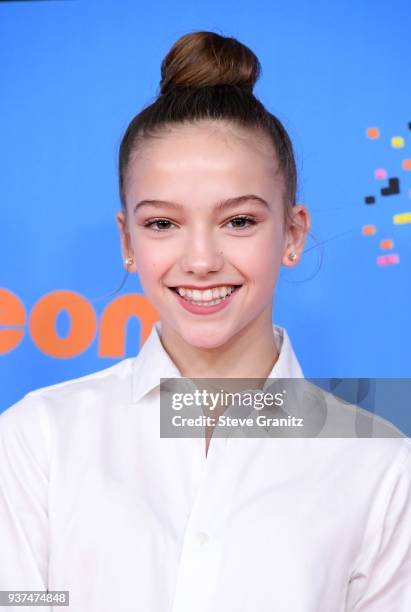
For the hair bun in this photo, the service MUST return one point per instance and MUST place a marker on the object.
(201, 59)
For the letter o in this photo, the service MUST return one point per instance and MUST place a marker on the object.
(83, 324)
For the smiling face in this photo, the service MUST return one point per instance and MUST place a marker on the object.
(199, 167)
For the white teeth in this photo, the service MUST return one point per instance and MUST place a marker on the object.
(211, 303)
(207, 295)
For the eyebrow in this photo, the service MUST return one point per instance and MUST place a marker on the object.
(225, 204)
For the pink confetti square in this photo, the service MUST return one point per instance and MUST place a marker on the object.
(380, 174)
(388, 260)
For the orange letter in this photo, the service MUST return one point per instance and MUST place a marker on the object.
(12, 312)
(82, 318)
(114, 321)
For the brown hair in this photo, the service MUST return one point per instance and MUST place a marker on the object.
(208, 76)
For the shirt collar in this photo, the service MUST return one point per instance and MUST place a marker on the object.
(153, 362)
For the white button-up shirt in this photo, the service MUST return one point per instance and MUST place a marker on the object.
(94, 501)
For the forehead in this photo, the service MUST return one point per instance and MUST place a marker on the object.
(215, 158)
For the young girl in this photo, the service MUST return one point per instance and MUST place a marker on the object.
(95, 502)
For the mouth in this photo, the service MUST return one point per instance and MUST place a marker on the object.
(235, 289)
(206, 307)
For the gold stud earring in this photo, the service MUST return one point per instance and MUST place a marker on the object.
(128, 261)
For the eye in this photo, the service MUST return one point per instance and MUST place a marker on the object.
(160, 225)
(243, 218)
(150, 224)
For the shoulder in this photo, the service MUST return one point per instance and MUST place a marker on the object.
(35, 408)
(328, 415)
(370, 468)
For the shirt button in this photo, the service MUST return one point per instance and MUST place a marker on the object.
(202, 538)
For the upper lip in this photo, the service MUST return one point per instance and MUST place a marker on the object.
(206, 286)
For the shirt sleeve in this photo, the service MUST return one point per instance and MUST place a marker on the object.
(24, 461)
(382, 582)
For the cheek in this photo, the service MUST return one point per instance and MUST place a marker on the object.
(152, 262)
(263, 262)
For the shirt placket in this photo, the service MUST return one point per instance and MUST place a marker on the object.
(202, 547)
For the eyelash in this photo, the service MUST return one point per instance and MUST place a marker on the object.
(252, 221)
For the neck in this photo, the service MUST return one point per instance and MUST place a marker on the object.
(251, 353)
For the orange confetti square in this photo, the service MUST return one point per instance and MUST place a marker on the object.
(387, 243)
(373, 132)
(369, 230)
(406, 164)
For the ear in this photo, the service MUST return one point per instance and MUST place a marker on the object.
(126, 247)
(298, 225)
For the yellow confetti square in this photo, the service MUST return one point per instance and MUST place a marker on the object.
(397, 142)
(402, 218)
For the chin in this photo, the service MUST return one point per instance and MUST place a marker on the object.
(206, 339)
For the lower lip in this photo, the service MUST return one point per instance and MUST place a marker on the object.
(204, 310)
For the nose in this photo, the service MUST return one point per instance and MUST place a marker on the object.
(201, 256)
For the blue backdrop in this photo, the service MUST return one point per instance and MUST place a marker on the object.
(73, 74)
